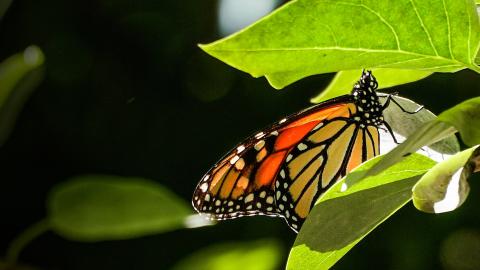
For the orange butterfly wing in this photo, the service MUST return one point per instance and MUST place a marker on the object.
(282, 170)
(243, 182)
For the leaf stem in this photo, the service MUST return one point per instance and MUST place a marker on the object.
(22, 240)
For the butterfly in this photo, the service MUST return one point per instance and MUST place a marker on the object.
(282, 170)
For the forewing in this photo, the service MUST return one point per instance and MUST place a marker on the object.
(247, 181)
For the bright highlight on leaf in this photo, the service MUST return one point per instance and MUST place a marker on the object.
(20, 74)
(351, 209)
(444, 187)
(307, 37)
(258, 255)
(344, 80)
(101, 207)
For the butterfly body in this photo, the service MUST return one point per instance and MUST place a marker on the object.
(282, 170)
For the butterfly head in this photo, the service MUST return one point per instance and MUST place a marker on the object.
(369, 108)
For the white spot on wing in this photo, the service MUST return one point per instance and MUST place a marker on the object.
(234, 159)
(269, 200)
(259, 135)
(204, 187)
(249, 198)
(240, 149)
(319, 125)
(302, 146)
(259, 145)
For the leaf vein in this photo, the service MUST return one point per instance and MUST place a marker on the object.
(424, 27)
(448, 28)
(380, 17)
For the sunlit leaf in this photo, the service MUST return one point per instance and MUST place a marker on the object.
(258, 255)
(465, 117)
(307, 37)
(351, 209)
(343, 81)
(444, 187)
(100, 207)
(20, 74)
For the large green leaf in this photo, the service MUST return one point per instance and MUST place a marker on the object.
(462, 118)
(258, 255)
(343, 81)
(100, 207)
(351, 209)
(306, 37)
(20, 74)
(444, 188)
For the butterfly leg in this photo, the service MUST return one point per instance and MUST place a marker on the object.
(391, 132)
(390, 98)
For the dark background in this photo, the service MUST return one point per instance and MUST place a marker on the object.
(128, 92)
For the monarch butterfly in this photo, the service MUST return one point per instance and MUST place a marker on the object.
(282, 170)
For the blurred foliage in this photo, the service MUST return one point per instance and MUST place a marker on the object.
(258, 255)
(461, 250)
(20, 74)
(101, 207)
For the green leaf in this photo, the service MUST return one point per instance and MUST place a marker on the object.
(351, 209)
(444, 188)
(307, 37)
(258, 255)
(465, 117)
(462, 118)
(101, 207)
(343, 81)
(20, 74)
